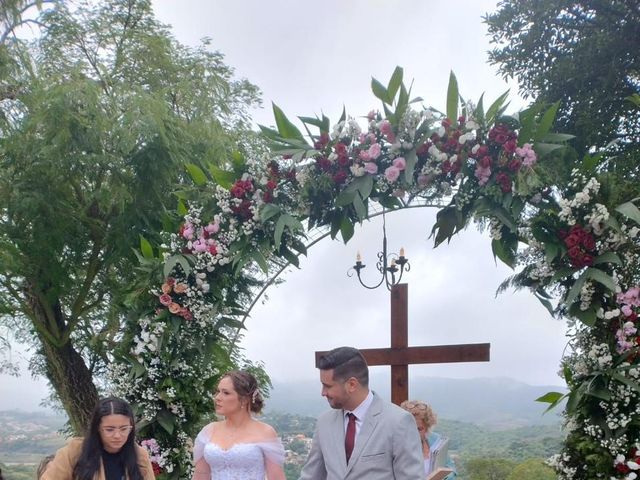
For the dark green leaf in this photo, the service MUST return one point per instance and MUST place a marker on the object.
(285, 127)
(346, 229)
(166, 420)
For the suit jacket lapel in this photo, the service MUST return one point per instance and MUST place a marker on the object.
(337, 434)
(369, 424)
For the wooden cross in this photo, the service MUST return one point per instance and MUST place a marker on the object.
(401, 355)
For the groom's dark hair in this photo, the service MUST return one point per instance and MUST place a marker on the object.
(346, 362)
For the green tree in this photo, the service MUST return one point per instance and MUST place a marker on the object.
(586, 54)
(106, 109)
(489, 468)
(533, 469)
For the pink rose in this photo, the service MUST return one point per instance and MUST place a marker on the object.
(166, 288)
(175, 308)
(482, 174)
(392, 173)
(200, 246)
(371, 168)
(400, 163)
(165, 299)
(387, 131)
(180, 287)
(374, 151)
(364, 156)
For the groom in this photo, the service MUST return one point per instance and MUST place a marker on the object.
(363, 437)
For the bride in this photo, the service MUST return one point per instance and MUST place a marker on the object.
(238, 447)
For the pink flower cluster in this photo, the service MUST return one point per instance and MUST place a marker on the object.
(170, 289)
(528, 155)
(199, 240)
(152, 447)
(626, 335)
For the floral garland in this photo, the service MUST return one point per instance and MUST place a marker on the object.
(575, 242)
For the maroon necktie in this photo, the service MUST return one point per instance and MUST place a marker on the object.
(350, 437)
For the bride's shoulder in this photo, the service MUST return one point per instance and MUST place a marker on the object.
(207, 430)
(266, 430)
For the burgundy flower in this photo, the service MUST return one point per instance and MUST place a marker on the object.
(324, 163)
(571, 240)
(267, 197)
(237, 191)
(510, 146)
(514, 165)
(589, 242)
(574, 252)
(340, 177)
(343, 160)
(587, 260)
(504, 181)
(340, 148)
(422, 149)
(485, 162)
(271, 185)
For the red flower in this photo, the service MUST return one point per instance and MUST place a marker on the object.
(422, 149)
(589, 242)
(267, 197)
(587, 260)
(340, 148)
(572, 240)
(514, 165)
(157, 470)
(510, 146)
(504, 181)
(622, 468)
(574, 252)
(343, 160)
(324, 163)
(485, 162)
(271, 185)
(340, 177)
(237, 191)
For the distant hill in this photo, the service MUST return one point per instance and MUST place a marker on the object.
(496, 403)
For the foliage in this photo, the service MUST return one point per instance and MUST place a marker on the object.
(584, 54)
(99, 117)
(489, 468)
(533, 469)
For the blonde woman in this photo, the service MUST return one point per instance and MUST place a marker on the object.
(432, 442)
(239, 446)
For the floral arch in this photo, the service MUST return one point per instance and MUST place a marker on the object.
(567, 228)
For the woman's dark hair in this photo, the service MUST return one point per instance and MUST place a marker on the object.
(89, 462)
(246, 386)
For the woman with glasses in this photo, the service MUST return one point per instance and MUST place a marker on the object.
(238, 446)
(107, 452)
(434, 445)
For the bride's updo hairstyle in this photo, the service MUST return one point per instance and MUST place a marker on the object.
(246, 386)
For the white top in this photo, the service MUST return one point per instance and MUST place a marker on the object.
(360, 411)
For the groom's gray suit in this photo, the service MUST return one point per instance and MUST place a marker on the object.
(387, 447)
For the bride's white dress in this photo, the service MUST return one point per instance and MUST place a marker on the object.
(242, 461)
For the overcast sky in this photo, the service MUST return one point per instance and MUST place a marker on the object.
(316, 57)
